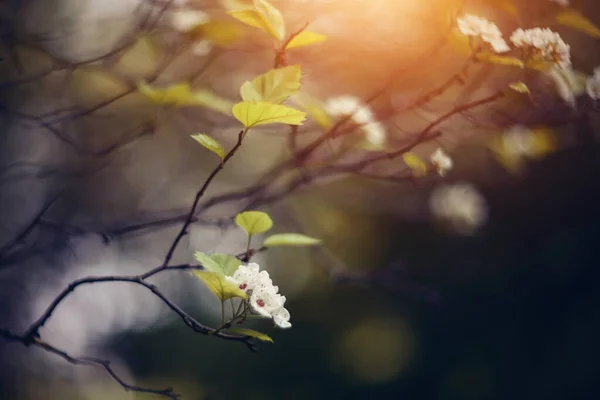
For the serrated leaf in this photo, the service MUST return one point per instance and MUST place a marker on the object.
(263, 16)
(417, 166)
(576, 20)
(210, 144)
(221, 263)
(207, 262)
(314, 109)
(290, 239)
(220, 33)
(274, 86)
(228, 263)
(254, 222)
(305, 38)
(252, 333)
(491, 58)
(520, 87)
(253, 113)
(181, 95)
(221, 287)
(272, 18)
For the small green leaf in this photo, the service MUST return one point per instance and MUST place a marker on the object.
(290, 239)
(520, 87)
(251, 333)
(418, 167)
(576, 20)
(228, 263)
(210, 143)
(224, 264)
(253, 113)
(254, 221)
(488, 57)
(221, 287)
(305, 38)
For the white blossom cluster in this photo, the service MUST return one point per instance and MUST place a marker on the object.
(264, 297)
(441, 162)
(543, 44)
(592, 84)
(472, 25)
(460, 204)
(361, 115)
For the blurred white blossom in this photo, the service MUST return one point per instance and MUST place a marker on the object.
(519, 141)
(592, 84)
(264, 297)
(201, 47)
(441, 161)
(361, 115)
(542, 44)
(461, 204)
(184, 20)
(472, 25)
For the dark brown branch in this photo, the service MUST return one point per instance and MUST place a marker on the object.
(27, 230)
(199, 194)
(11, 337)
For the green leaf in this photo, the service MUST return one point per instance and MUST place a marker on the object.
(264, 16)
(576, 20)
(207, 262)
(210, 143)
(305, 38)
(228, 263)
(254, 222)
(500, 60)
(520, 87)
(221, 287)
(251, 333)
(224, 264)
(253, 113)
(275, 86)
(418, 167)
(290, 239)
(181, 95)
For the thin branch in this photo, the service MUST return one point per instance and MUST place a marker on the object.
(27, 230)
(199, 195)
(11, 337)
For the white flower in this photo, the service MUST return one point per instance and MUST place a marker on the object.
(519, 141)
(472, 25)
(264, 297)
(375, 135)
(592, 84)
(361, 115)
(441, 161)
(563, 3)
(202, 47)
(185, 20)
(542, 44)
(342, 106)
(461, 204)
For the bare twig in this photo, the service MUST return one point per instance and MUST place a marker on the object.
(12, 337)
